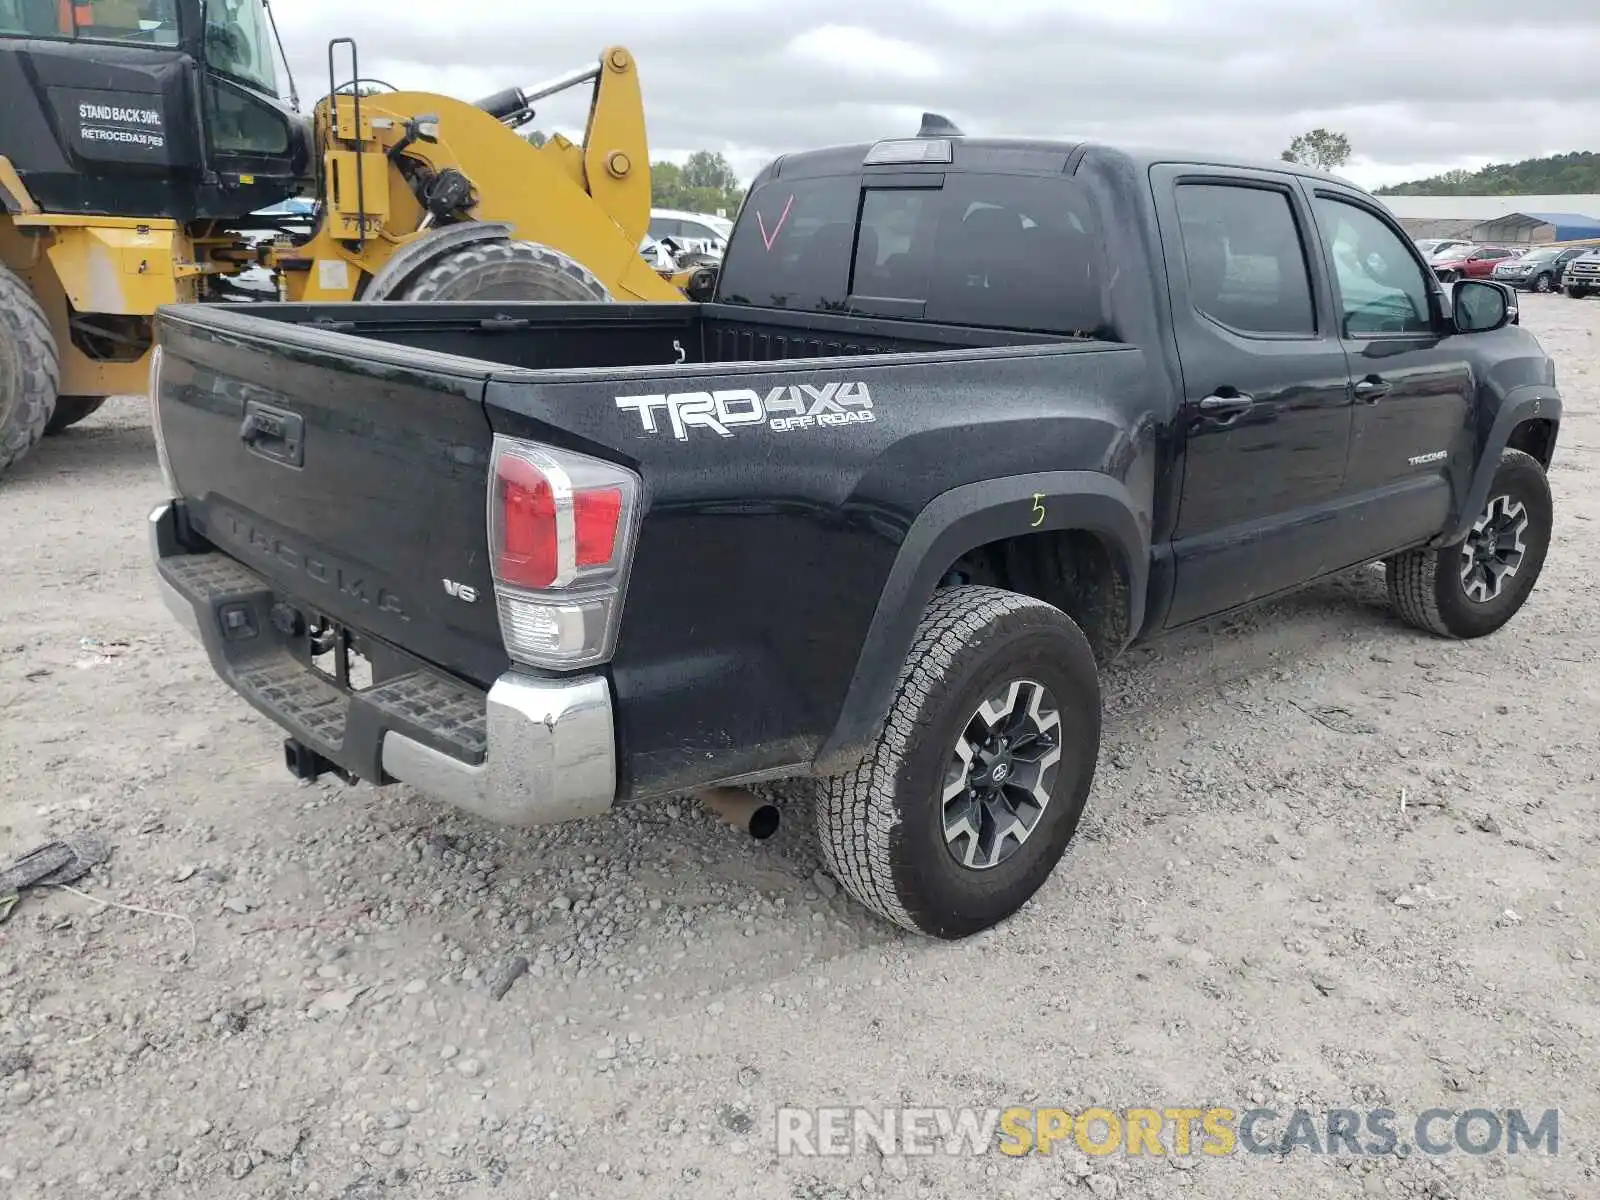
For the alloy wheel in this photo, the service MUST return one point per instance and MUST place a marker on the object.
(1001, 773)
(1494, 550)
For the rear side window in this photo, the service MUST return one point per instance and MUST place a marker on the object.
(1001, 251)
(1246, 262)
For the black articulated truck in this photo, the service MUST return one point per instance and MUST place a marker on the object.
(963, 419)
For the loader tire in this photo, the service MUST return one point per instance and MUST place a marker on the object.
(30, 371)
(70, 410)
(506, 271)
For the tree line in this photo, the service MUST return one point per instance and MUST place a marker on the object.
(705, 182)
(1577, 173)
(1571, 174)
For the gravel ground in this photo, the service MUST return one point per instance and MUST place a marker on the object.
(1328, 863)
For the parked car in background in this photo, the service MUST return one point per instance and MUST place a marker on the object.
(1582, 276)
(690, 231)
(1539, 269)
(1470, 262)
(1434, 247)
(657, 255)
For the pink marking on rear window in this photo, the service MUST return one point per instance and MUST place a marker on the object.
(769, 238)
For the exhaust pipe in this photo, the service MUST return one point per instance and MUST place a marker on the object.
(743, 810)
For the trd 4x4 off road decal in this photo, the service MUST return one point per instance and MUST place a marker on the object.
(782, 409)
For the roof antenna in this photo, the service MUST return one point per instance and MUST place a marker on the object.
(936, 125)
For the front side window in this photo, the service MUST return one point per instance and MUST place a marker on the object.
(146, 22)
(239, 43)
(1381, 287)
(242, 124)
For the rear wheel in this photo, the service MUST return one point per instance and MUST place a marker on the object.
(981, 768)
(506, 271)
(70, 410)
(1476, 586)
(30, 371)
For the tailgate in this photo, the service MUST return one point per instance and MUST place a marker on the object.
(351, 473)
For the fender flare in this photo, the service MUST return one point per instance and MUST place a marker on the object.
(952, 524)
(414, 256)
(1529, 402)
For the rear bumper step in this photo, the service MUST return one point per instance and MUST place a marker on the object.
(532, 750)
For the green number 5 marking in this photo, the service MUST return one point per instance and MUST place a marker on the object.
(1038, 509)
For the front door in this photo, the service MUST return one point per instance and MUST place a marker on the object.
(1411, 448)
(1266, 411)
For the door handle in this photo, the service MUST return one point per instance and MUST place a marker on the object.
(274, 433)
(1372, 389)
(1226, 406)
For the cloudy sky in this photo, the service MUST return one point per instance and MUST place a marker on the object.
(1420, 86)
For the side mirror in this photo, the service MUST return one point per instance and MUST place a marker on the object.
(1480, 306)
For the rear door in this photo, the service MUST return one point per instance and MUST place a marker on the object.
(1412, 442)
(1265, 419)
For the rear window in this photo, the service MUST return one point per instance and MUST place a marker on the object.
(791, 248)
(1002, 251)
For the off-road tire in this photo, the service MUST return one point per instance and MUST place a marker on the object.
(506, 271)
(70, 410)
(1426, 586)
(30, 371)
(881, 826)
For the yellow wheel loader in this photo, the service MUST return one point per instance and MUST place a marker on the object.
(138, 137)
(428, 198)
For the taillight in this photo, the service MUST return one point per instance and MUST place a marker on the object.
(527, 544)
(561, 529)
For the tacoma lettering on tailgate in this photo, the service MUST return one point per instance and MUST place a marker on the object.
(231, 528)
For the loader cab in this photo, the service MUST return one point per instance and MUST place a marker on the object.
(154, 108)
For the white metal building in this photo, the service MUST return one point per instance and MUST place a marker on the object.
(1502, 220)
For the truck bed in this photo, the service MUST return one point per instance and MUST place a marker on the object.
(612, 336)
(763, 548)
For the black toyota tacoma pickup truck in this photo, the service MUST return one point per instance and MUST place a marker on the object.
(963, 419)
